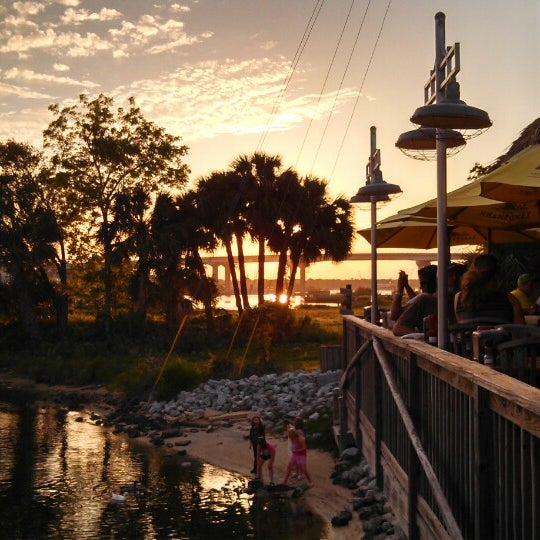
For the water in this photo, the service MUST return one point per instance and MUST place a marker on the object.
(228, 301)
(58, 471)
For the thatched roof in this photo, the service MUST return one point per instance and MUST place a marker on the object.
(528, 137)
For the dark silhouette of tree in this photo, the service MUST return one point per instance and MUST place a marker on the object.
(28, 231)
(131, 223)
(103, 152)
(179, 235)
(325, 228)
(222, 201)
(260, 171)
(290, 193)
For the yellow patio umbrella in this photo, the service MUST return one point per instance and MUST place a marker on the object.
(517, 180)
(465, 206)
(416, 232)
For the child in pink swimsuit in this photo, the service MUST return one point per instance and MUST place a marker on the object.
(266, 453)
(298, 458)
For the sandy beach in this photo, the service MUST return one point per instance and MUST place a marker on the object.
(227, 448)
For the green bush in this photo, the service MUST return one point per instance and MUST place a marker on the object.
(137, 381)
(179, 374)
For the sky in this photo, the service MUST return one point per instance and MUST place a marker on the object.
(304, 79)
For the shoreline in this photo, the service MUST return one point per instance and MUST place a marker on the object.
(223, 447)
(226, 448)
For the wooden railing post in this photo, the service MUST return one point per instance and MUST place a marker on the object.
(377, 392)
(414, 464)
(483, 452)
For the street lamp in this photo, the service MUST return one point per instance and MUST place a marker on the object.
(421, 143)
(375, 191)
(444, 110)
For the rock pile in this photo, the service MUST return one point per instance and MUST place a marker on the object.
(378, 521)
(277, 398)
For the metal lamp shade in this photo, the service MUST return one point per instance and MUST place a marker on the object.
(451, 114)
(426, 139)
(379, 191)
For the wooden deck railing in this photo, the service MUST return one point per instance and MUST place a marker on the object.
(454, 444)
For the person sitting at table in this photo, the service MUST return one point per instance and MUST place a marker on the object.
(455, 273)
(396, 309)
(419, 306)
(525, 294)
(481, 298)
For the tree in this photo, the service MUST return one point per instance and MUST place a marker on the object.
(179, 235)
(222, 200)
(28, 231)
(325, 228)
(131, 211)
(290, 192)
(260, 172)
(103, 152)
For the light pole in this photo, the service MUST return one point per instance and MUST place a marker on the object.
(443, 110)
(375, 191)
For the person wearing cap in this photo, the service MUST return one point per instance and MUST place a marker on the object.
(525, 294)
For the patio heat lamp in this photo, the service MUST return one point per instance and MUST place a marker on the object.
(445, 113)
(376, 191)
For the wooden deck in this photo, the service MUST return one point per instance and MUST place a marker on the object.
(455, 445)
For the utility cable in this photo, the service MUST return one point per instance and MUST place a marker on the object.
(330, 115)
(305, 38)
(361, 87)
(326, 79)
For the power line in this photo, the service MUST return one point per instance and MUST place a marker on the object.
(326, 78)
(361, 86)
(305, 38)
(329, 117)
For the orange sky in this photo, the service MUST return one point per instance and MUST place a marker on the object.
(235, 76)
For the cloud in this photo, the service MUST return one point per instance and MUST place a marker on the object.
(28, 8)
(19, 22)
(71, 43)
(10, 90)
(67, 3)
(155, 35)
(61, 67)
(148, 34)
(181, 41)
(177, 8)
(76, 17)
(203, 100)
(24, 125)
(31, 76)
(268, 45)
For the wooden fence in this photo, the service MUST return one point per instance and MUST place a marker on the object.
(454, 444)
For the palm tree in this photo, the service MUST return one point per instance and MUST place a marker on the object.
(260, 172)
(131, 223)
(325, 228)
(179, 234)
(221, 200)
(290, 192)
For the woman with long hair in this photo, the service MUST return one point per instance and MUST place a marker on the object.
(481, 297)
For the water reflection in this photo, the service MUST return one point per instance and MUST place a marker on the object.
(58, 472)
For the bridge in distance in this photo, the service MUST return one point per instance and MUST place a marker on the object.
(421, 258)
